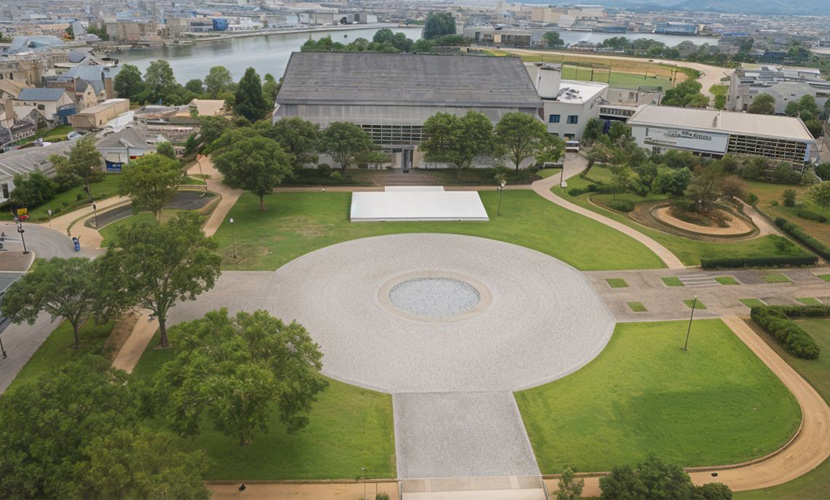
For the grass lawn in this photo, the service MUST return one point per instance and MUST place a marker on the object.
(719, 89)
(193, 181)
(616, 283)
(68, 201)
(715, 404)
(544, 174)
(691, 302)
(816, 483)
(57, 134)
(297, 223)
(57, 350)
(809, 301)
(767, 193)
(750, 303)
(825, 277)
(348, 428)
(688, 250)
(637, 307)
(108, 232)
(726, 280)
(672, 281)
(776, 278)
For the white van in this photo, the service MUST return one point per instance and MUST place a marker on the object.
(572, 147)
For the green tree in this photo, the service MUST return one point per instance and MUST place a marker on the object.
(345, 142)
(520, 135)
(75, 434)
(672, 181)
(166, 149)
(619, 131)
(593, 131)
(248, 100)
(664, 481)
(211, 128)
(139, 463)
(84, 162)
(686, 95)
(195, 85)
(297, 137)
(218, 80)
(160, 80)
(155, 265)
(64, 288)
(820, 195)
(438, 24)
(232, 369)
(151, 182)
(784, 173)
(128, 82)
(621, 180)
(257, 164)
(622, 484)
(450, 139)
(569, 487)
(551, 151)
(764, 104)
(553, 39)
(32, 189)
(788, 196)
(705, 187)
(720, 101)
(270, 88)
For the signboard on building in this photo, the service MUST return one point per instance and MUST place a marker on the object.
(113, 167)
(694, 140)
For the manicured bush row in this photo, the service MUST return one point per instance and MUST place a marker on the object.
(621, 205)
(799, 234)
(775, 321)
(771, 261)
(804, 214)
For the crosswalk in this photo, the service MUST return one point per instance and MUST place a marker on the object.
(698, 280)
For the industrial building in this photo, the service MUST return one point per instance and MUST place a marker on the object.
(712, 133)
(392, 95)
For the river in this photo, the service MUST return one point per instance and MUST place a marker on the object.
(270, 53)
(266, 53)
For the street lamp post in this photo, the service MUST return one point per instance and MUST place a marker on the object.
(95, 214)
(233, 239)
(363, 469)
(2, 349)
(22, 239)
(689, 330)
(502, 183)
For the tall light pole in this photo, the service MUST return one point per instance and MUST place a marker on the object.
(233, 239)
(502, 183)
(2, 349)
(689, 330)
(363, 469)
(21, 231)
(95, 214)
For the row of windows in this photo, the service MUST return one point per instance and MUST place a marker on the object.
(572, 119)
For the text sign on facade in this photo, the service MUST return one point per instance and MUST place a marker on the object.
(687, 139)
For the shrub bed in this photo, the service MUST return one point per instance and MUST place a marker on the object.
(800, 235)
(776, 320)
(771, 261)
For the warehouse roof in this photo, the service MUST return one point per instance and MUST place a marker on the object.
(727, 122)
(40, 94)
(27, 160)
(406, 80)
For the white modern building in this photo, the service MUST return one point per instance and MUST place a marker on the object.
(567, 104)
(712, 133)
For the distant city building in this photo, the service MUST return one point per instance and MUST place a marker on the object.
(670, 28)
(98, 117)
(784, 84)
(55, 105)
(501, 36)
(391, 95)
(711, 133)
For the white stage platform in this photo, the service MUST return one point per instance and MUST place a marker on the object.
(417, 203)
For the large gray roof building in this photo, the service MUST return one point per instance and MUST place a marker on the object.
(391, 95)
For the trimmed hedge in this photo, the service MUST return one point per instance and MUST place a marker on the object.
(801, 236)
(621, 205)
(771, 261)
(776, 321)
(804, 214)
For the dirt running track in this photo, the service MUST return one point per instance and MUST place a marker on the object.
(709, 75)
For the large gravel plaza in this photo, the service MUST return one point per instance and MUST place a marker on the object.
(544, 320)
(531, 319)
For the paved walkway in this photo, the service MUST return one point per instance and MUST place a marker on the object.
(229, 196)
(73, 222)
(543, 189)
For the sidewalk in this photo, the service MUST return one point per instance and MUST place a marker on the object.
(72, 224)
(229, 196)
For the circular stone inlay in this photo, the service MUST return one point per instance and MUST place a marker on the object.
(434, 297)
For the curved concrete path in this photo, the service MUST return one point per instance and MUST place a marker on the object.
(229, 196)
(543, 189)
